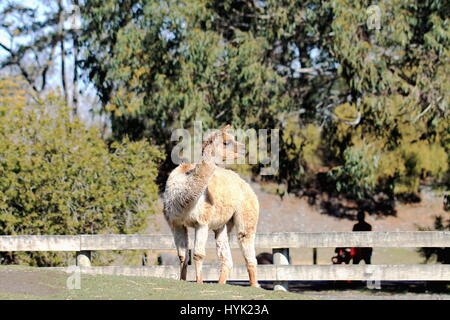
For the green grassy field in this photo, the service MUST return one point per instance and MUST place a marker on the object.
(17, 282)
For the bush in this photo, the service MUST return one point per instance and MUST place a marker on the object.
(59, 177)
(356, 177)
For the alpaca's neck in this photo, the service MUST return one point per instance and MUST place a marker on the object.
(196, 182)
(205, 169)
(207, 155)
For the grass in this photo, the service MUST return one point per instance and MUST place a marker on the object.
(17, 282)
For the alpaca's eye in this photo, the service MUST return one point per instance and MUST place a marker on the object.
(227, 143)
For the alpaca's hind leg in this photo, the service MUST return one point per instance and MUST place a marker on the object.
(181, 242)
(245, 223)
(247, 244)
(201, 235)
(224, 253)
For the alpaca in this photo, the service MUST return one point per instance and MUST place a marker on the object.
(207, 197)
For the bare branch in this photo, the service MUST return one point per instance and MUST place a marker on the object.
(422, 113)
(305, 70)
(335, 117)
(5, 47)
(352, 123)
(49, 63)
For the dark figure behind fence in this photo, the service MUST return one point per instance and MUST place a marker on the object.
(359, 254)
(342, 256)
(264, 258)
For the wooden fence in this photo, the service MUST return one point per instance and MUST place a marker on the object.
(280, 272)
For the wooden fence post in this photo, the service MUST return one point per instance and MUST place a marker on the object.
(281, 257)
(84, 258)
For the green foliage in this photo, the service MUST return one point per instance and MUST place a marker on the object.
(165, 71)
(397, 73)
(356, 177)
(162, 65)
(58, 177)
(300, 149)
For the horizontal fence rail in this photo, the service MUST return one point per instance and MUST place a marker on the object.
(287, 272)
(408, 239)
(280, 272)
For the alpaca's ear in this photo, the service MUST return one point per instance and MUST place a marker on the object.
(227, 127)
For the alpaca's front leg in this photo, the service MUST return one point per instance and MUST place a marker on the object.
(201, 236)
(181, 242)
(224, 253)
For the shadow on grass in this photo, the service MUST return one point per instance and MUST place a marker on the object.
(359, 287)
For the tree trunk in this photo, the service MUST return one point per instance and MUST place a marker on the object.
(62, 46)
(75, 96)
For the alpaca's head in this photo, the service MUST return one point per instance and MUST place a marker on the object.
(222, 145)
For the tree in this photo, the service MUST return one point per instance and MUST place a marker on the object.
(58, 177)
(42, 38)
(394, 76)
(160, 65)
(368, 104)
